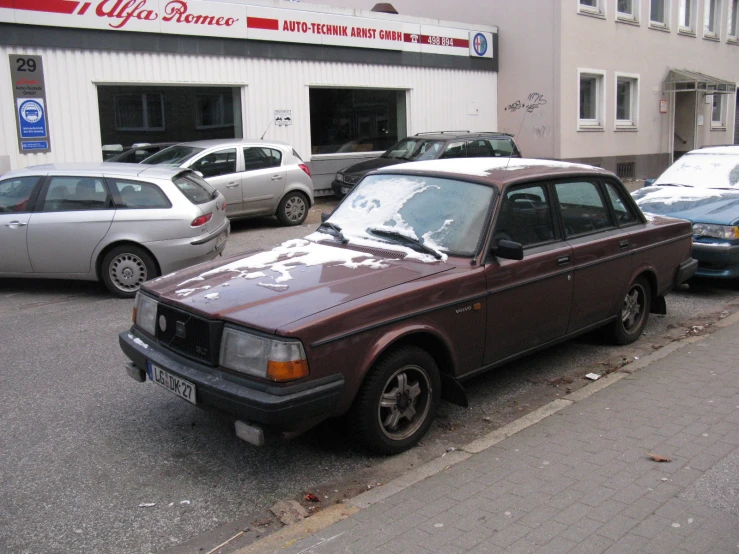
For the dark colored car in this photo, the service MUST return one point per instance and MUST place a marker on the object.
(430, 146)
(424, 276)
(139, 152)
(702, 187)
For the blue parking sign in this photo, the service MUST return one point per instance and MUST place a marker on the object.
(32, 118)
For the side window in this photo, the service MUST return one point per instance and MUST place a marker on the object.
(583, 210)
(15, 193)
(135, 194)
(75, 193)
(455, 150)
(479, 148)
(502, 147)
(218, 163)
(525, 216)
(258, 157)
(623, 212)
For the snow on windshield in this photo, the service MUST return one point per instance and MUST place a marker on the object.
(703, 170)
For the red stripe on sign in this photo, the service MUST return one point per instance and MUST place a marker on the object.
(263, 23)
(53, 6)
(6, 4)
(83, 9)
(433, 40)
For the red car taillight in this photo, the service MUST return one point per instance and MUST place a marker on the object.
(305, 168)
(202, 220)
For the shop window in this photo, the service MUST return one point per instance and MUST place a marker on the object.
(711, 19)
(214, 110)
(659, 14)
(627, 97)
(591, 7)
(356, 120)
(718, 112)
(627, 10)
(591, 100)
(686, 17)
(733, 20)
(139, 112)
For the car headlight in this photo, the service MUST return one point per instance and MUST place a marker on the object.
(145, 313)
(729, 232)
(269, 358)
(340, 177)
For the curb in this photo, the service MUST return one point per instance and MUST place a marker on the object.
(323, 519)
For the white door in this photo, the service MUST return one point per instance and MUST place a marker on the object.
(15, 194)
(222, 169)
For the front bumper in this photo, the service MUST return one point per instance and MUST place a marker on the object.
(340, 188)
(287, 407)
(717, 259)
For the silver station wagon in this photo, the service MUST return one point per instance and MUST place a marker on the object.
(256, 177)
(122, 224)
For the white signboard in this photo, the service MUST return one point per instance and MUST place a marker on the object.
(283, 117)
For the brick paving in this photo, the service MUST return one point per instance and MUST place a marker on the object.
(580, 480)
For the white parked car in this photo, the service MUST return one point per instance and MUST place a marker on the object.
(256, 177)
(119, 223)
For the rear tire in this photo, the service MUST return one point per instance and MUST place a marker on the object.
(293, 208)
(397, 401)
(633, 313)
(125, 268)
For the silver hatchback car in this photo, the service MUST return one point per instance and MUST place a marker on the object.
(256, 177)
(119, 223)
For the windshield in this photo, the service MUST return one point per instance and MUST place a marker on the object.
(415, 149)
(174, 155)
(445, 215)
(714, 171)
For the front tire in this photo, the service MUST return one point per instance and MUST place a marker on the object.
(633, 314)
(125, 268)
(397, 401)
(293, 208)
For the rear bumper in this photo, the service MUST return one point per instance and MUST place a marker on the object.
(686, 270)
(718, 260)
(283, 407)
(177, 254)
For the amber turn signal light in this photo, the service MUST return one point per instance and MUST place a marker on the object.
(287, 371)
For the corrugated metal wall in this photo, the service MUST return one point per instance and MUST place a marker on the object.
(437, 98)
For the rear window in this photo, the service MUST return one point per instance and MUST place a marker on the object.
(195, 188)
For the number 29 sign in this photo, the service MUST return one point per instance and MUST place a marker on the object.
(29, 97)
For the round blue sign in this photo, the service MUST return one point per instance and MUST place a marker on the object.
(480, 44)
(31, 111)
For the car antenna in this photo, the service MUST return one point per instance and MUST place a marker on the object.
(267, 129)
(515, 137)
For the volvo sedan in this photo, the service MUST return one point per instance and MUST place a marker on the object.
(426, 275)
(122, 224)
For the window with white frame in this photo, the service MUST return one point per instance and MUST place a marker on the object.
(627, 10)
(711, 18)
(734, 20)
(659, 13)
(686, 16)
(627, 100)
(718, 112)
(591, 99)
(214, 110)
(591, 7)
(139, 112)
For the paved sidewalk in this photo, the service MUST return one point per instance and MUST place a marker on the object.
(580, 480)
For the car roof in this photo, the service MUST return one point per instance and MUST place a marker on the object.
(100, 168)
(210, 143)
(452, 135)
(717, 150)
(497, 171)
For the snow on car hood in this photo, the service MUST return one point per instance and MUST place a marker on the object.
(270, 289)
(706, 205)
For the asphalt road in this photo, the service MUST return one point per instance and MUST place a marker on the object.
(95, 462)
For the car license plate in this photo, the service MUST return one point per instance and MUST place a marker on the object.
(183, 389)
(220, 240)
(345, 190)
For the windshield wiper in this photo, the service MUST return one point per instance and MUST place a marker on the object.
(334, 230)
(400, 238)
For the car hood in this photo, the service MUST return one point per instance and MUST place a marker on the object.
(704, 205)
(368, 165)
(267, 290)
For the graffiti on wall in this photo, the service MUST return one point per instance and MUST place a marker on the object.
(532, 102)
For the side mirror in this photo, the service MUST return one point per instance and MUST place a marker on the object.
(509, 250)
(325, 216)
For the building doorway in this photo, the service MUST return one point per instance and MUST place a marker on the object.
(685, 123)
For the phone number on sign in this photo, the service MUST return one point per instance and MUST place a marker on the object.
(440, 41)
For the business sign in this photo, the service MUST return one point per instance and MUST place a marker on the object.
(240, 21)
(283, 117)
(29, 98)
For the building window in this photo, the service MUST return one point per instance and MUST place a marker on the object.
(718, 112)
(591, 100)
(627, 101)
(214, 110)
(734, 20)
(686, 17)
(627, 10)
(711, 18)
(591, 7)
(659, 14)
(356, 120)
(139, 112)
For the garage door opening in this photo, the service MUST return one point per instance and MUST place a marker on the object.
(155, 114)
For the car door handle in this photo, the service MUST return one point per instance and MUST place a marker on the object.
(563, 260)
(232, 185)
(276, 177)
(623, 244)
(15, 224)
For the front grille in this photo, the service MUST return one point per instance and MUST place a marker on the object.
(188, 334)
(350, 180)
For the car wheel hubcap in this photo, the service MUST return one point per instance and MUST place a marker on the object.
(632, 311)
(127, 272)
(404, 403)
(294, 208)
